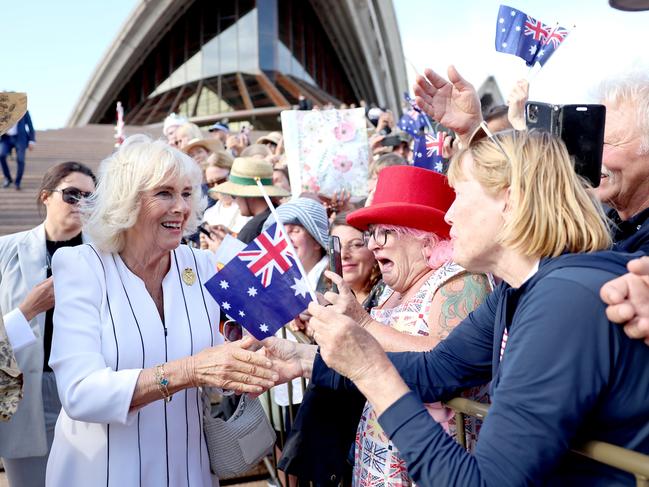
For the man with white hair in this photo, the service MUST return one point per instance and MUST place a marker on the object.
(625, 163)
(171, 123)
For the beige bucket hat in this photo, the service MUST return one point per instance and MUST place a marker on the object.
(211, 145)
(242, 179)
(12, 108)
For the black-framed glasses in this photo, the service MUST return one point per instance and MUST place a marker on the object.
(379, 234)
(231, 330)
(72, 195)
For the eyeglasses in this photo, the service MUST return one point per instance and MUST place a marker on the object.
(231, 330)
(72, 195)
(354, 245)
(379, 234)
(215, 182)
(482, 132)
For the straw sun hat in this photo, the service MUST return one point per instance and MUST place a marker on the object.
(242, 179)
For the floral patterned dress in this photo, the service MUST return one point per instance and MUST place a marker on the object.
(376, 459)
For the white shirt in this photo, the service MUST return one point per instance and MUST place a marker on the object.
(228, 216)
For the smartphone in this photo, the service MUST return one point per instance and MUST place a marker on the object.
(335, 261)
(581, 127)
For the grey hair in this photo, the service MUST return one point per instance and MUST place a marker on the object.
(632, 89)
(140, 164)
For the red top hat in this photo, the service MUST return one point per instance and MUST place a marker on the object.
(408, 196)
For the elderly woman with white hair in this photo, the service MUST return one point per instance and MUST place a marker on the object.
(133, 327)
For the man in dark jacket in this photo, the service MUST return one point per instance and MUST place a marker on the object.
(19, 137)
(625, 160)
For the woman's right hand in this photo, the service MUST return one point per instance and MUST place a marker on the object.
(290, 359)
(38, 300)
(234, 366)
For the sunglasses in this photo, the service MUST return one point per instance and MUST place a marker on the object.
(231, 330)
(216, 182)
(72, 195)
(482, 132)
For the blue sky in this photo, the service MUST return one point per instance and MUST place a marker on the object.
(50, 48)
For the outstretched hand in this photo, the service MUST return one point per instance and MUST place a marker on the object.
(290, 359)
(234, 366)
(516, 104)
(453, 103)
(345, 346)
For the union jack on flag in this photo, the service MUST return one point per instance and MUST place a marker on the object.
(267, 255)
(434, 144)
(526, 37)
(557, 36)
(262, 286)
(537, 29)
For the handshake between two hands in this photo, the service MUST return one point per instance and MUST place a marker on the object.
(336, 323)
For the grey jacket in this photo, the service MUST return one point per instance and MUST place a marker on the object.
(23, 264)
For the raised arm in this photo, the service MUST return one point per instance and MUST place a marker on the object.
(454, 102)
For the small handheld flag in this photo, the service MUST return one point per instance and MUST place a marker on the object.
(521, 35)
(262, 288)
(428, 151)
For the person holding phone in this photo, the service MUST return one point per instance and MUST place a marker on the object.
(425, 297)
(27, 299)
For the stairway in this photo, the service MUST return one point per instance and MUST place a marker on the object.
(88, 145)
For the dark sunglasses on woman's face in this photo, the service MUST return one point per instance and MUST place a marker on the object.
(215, 182)
(72, 195)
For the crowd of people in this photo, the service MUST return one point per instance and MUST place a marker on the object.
(503, 281)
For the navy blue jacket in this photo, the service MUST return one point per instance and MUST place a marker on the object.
(567, 375)
(25, 132)
(630, 235)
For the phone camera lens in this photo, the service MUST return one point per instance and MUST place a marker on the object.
(533, 113)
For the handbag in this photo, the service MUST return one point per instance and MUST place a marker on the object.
(238, 444)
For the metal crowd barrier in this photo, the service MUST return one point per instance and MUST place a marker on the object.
(628, 461)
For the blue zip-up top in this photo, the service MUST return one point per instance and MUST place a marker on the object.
(567, 375)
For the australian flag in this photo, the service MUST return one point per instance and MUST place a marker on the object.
(412, 121)
(428, 151)
(261, 287)
(525, 37)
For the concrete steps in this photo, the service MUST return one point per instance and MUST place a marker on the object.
(89, 145)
